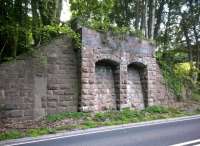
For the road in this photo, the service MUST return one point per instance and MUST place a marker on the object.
(150, 135)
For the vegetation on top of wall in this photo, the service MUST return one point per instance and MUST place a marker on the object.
(107, 26)
(51, 31)
(46, 34)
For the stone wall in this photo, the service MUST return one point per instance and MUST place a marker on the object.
(32, 87)
(21, 89)
(138, 80)
(109, 72)
(62, 77)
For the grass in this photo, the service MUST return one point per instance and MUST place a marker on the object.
(40, 131)
(13, 134)
(87, 120)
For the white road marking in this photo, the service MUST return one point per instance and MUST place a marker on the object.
(127, 126)
(188, 142)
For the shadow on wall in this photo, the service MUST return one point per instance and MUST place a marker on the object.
(137, 85)
(107, 89)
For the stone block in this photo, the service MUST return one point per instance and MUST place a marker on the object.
(28, 113)
(14, 113)
(52, 104)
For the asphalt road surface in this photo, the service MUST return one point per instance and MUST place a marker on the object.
(151, 135)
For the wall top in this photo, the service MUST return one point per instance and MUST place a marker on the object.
(110, 41)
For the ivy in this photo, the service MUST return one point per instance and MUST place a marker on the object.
(173, 81)
(178, 76)
(49, 32)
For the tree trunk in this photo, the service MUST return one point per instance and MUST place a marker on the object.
(18, 20)
(185, 31)
(159, 18)
(50, 11)
(35, 21)
(58, 10)
(137, 14)
(166, 35)
(144, 25)
(43, 9)
(151, 19)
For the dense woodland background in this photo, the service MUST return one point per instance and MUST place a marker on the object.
(173, 25)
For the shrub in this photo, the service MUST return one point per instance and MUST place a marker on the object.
(156, 109)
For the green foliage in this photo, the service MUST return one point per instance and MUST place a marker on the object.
(28, 23)
(182, 69)
(178, 76)
(92, 9)
(11, 135)
(49, 32)
(127, 115)
(107, 26)
(45, 34)
(156, 109)
(137, 18)
(89, 124)
(173, 81)
(12, 44)
(39, 131)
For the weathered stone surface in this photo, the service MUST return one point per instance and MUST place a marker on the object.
(135, 92)
(108, 72)
(129, 76)
(105, 87)
(30, 88)
(62, 79)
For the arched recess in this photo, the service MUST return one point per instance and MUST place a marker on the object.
(107, 85)
(137, 89)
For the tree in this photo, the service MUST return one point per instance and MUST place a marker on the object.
(151, 21)
(159, 17)
(36, 22)
(137, 14)
(18, 23)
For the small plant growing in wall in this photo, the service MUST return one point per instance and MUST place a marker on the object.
(2, 107)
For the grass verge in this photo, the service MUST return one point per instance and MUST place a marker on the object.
(88, 120)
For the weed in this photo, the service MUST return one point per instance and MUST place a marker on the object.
(10, 135)
(40, 131)
(156, 109)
